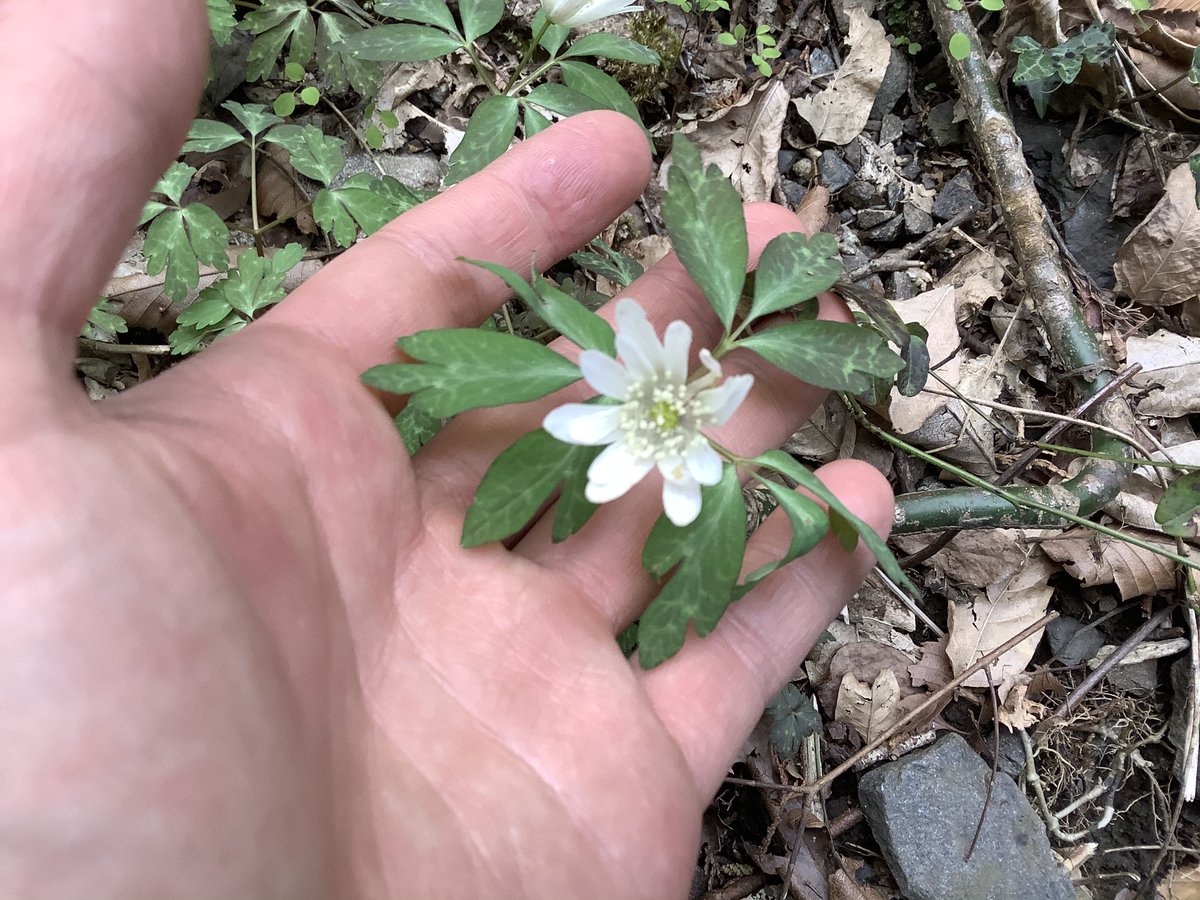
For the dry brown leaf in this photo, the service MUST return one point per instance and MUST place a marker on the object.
(935, 311)
(1018, 710)
(842, 886)
(838, 112)
(933, 669)
(1098, 559)
(869, 708)
(279, 192)
(978, 557)
(866, 659)
(1166, 76)
(1170, 368)
(1009, 607)
(1158, 263)
(1181, 884)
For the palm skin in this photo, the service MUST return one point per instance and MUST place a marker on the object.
(241, 651)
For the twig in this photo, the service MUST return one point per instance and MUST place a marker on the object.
(106, 347)
(896, 260)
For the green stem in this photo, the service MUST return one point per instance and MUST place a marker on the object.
(483, 73)
(258, 241)
(527, 55)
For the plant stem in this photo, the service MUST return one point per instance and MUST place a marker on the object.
(483, 73)
(258, 241)
(527, 55)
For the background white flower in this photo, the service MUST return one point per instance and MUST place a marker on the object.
(660, 416)
(571, 13)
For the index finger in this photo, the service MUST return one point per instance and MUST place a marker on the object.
(540, 201)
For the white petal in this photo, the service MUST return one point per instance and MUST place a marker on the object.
(703, 463)
(710, 362)
(681, 500)
(604, 373)
(677, 341)
(598, 9)
(614, 472)
(723, 400)
(583, 423)
(636, 341)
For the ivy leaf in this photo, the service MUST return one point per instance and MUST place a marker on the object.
(362, 201)
(561, 99)
(707, 558)
(221, 20)
(400, 43)
(254, 116)
(466, 368)
(704, 215)
(276, 24)
(601, 87)
(489, 132)
(834, 355)
(479, 16)
(557, 308)
(518, 483)
(428, 12)
(794, 268)
(809, 523)
(207, 136)
(333, 30)
(612, 46)
(793, 719)
(312, 152)
(1180, 503)
(781, 462)
(256, 283)
(179, 240)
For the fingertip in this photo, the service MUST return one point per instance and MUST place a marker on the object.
(864, 490)
(620, 139)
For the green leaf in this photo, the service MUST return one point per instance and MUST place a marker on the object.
(312, 152)
(275, 24)
(602, 88)
(709, 554)
(573, 508)
(465, 368)
(881, 313)
(959, 46)
(912, 378)
(1178, 508)
(253, 116)
(479, 16)
(793, 268)
(781, 462)
(362, 201)
(992, 5)
(793, 719)
(103, 320)
(208, 137)
(178, 240)
(416, 427)
(205, 311)
(834, 355)
(150, 210)
(293, 71)
(557, 308)
(534, 121)
(554, 36)
(612, 46)
(612, 265)
(174, 181)
(518, 483)
(285, 104)
(256, 283)
(333, 30)
(489, 132)
(1194, 168)
(560, 99)
(809, 524)
(428, 12)
(222, 20)
(704, 215)
(400, 43)
(843, 529)
(310, 95)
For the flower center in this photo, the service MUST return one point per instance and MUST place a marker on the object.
(665, 415)
(659, 419)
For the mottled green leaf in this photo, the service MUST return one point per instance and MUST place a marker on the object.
(275, 24)
(362, 201)
(1180, 505)
(479, 16)
(614, 266)
(400, 43)
(912, 378)
(1194, 68)
(310, 151)
(428, 12)
(573, 508)
(834, 355)
(534, 121)
(560, 99)
(612, 46)
(416, 427)
(467, 368)
(489, 132)
(518, 483)
(254, 116)
(809, 524)
(704, 214)
(601, 87)
(794, 718)
(221, 20)
(179, 240)
(794, 267)
(333, 30)
(255, 284)
(707, 559)
(553, 37)
(174, 181)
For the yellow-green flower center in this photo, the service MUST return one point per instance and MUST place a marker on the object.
(665, 414)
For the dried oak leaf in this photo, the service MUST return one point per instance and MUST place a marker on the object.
(1159, 263)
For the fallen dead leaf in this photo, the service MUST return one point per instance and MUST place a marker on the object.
(839, 111)
(1158, 263)
(977, 558)
(280, 195)
(869, 708)
(1181, 884)
(1008, 607)
(935, 311)
(933, 669)
(1170, 368)
(866, 659)
(1018, 710)
(1096, 559)
(1166, 76)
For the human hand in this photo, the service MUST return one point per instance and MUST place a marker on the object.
(241, 651)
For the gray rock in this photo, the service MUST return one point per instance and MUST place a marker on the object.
(820, 63)
(419, 171)
(887, 232)
(1070, 642)
(803, 169)
(793, 191)
(787, 159)
(923, 810)
(835, 172)
(859, 193)
(904, 286)
(894, 85)
(945, 131)
(916, 220)
(1139, 679)
(869, 218)
(956, 197)
(891, 129)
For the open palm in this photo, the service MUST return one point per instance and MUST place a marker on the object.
(241, 651)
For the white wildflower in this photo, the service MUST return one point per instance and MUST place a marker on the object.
(660, 417)
(572, 13)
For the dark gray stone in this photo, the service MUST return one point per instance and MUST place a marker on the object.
(1070, 642)
(904, 286)
(956, 197)
(894, 85)
(859, 193)
(787, 159)
(891, 129)
(793, 191)
(887, 232)
(820, 63)
(835, 172)
(1139, 679)
(945, 131)
(923, 810)
(916, 220)
(869, 218)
